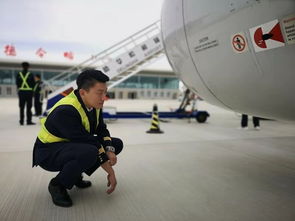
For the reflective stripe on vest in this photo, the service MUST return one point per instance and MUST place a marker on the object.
(36, 85)
(25, 86)
(46, 137)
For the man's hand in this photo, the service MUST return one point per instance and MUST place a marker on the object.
(112, 183)
(112, 157)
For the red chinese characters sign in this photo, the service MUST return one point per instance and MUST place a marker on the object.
(69, 55)
(41, 52)
(9, 50)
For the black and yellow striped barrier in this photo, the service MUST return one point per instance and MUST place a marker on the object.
(155, 128)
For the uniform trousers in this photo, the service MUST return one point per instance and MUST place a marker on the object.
(72, 159)
(37, 104)
(244, 121)
(25, 99)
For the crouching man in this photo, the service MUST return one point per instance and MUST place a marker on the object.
(74, 139)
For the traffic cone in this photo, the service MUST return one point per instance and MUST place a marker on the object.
(155, 129)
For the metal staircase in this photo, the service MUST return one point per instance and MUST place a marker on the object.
(119, 62)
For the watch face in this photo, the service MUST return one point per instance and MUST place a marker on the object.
(110, 148)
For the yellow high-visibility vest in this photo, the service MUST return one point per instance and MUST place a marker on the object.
(46, 137)
(25, 86)
(36, 85)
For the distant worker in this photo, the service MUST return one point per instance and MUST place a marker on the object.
(244, 122)
(25, 84)
(74, 139)
(38, 95)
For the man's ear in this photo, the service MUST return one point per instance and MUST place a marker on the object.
(82, 92)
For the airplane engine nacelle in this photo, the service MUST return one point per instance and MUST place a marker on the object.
(236, 54)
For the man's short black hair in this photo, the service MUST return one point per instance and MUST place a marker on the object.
(89, 77)
(25, 64)
(38, 76)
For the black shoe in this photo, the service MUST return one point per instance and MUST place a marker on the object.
(82, 183)
(31, 123)
(21, 123)
(59, 194)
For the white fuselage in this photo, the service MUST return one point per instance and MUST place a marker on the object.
(236, 54)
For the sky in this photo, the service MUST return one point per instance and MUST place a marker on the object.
(83, 26)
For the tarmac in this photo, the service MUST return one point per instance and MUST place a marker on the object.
(204, 172)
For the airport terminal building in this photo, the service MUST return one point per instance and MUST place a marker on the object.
(147, 84)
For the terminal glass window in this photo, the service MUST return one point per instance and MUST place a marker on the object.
(111, 95)
(149, 82)
(131, 82)
(47, 75)
(6, 77)
(169, 83)
(72, 77)
(37, 72)
(132, 95)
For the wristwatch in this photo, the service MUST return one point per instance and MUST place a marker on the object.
(110, 149)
